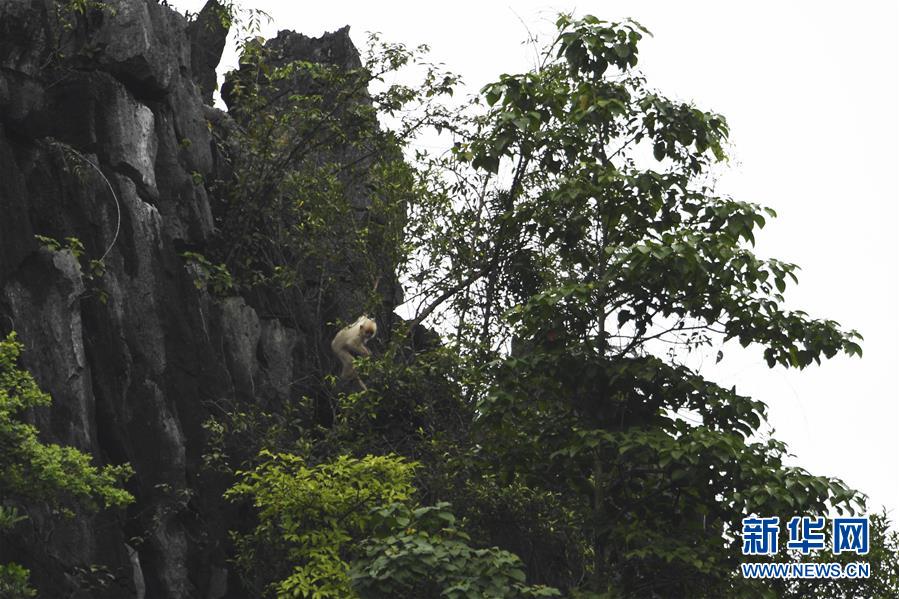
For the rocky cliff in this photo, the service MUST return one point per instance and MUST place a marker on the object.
(106, 135)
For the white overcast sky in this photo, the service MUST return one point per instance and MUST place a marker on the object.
(810, 91)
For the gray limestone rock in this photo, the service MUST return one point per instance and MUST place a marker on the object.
(208, 33)
(136, 358)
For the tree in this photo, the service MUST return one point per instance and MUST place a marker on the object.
(314, 202)
(315, 521)
(421, 553)
(591, 256)
(308, 516)
(32, 472)
(883, 560)
(573, 250)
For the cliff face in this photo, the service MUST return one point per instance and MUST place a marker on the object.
(132, 357)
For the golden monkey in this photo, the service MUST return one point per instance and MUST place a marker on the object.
(350, 341)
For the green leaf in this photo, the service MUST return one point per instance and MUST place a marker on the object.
(659, 150)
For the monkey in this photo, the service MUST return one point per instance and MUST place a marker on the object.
(350, 341)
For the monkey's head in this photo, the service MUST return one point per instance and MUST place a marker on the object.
(368, 328)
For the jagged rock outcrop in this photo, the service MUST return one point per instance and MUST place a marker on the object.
(358, 151)
(208, 35)
(133, 357)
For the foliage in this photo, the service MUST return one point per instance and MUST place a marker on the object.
(14, 582)
(32, 471)
(414, 406)
(318, 194)
(92, 269)
(72, 13)
(73, 245)
(420, 553)
(69, 34)
(233, 15)
(545, 528)
(41, 471)
(576, 228)
(309, 514)
(349, 526)
(215, 277)
(883, 559)
(572, 249)
(13, 577)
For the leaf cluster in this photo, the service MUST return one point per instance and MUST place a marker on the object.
(33, 470)
(420, 553)
(308, 515)
(36, 473)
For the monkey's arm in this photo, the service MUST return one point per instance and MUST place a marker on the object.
(358, 347)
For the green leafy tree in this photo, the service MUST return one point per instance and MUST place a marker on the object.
(45, 473)
(309, 515)
(571, 247)
(883, 559)
(349, 528)
(421, 553)
(587, 256)
(14, 582)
